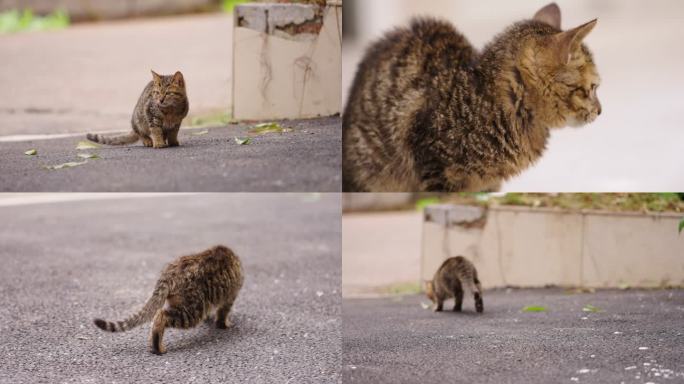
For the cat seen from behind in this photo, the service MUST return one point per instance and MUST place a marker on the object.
(428, 112)
(453, 276)
(157, 116)
(188, 291)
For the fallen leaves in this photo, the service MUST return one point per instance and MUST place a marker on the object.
(87, 145)
(263, 128)
(88, 156)
(591, 308)
(534, 308)
(31, 152)
(243, 141)
(199, 133)
(70, 164)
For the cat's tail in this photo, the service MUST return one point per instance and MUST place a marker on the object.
(154, 303)
(128, 138)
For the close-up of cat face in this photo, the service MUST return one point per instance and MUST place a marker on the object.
(168, 90)
(563, 71)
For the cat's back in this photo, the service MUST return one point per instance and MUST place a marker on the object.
(455, 266)
(218, 263)
(424, 49)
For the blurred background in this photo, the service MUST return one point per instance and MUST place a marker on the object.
(636, 144)
(392, 242)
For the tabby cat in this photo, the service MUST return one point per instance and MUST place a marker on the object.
(453, 275)
(186, 293)
(157, 116)
(427, 112)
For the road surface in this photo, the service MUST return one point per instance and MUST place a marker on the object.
(64, 263)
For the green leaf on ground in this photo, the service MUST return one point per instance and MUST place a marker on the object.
(88, 156)
(87, 145)
(534, 308)
(244, 141)
(263, 128)
(67, 165)
(623, 286)
(31, 152)
(681, 226)
(199, 133)
(591, 308)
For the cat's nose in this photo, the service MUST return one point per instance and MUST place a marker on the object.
(599, 108)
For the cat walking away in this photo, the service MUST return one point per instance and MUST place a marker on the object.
(189, 289)
(455, 274)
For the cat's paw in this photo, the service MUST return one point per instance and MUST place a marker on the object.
(158, 352)
(159, 145)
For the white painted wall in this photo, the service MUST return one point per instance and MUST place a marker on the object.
(537, 247)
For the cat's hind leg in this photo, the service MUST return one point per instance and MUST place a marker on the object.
(157, 333)
(178, 316)
(458, 297)
(479, 304)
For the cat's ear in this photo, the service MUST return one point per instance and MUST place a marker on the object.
(570, 40)
(550, 15)
(156, 77)
(178, 79)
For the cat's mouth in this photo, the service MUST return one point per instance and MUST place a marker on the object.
(574, 122)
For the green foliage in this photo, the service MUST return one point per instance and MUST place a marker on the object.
(229, 5)
(403, 289)
(422, 203)
(681, 225)
(619, 202)
(15, 21)
(212, 120)
(513, 199)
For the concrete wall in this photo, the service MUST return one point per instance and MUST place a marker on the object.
(537, 247)
(379, 250)
(287, 61)
(110, 9)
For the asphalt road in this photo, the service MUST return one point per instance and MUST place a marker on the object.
(398, 341)
(65, 263)
(307, 159)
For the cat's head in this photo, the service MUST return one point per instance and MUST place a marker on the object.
(168, 90)
(562, 70)
(429, 290)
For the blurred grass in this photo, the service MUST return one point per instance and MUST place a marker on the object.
(615, 202)
(229, 5)
(210, 120)
(13, 21)
(402, 289)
